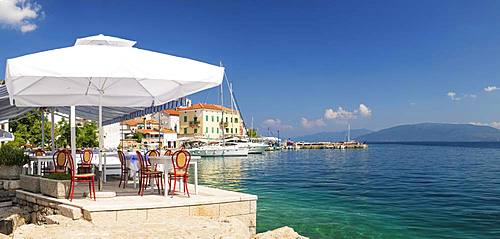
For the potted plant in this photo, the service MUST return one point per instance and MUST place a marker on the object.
(12, 160)
(55, 185)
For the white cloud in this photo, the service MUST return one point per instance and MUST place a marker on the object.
(364, 110)
(340, 114)
(276, 124)
(453, 96)
(311, 123)
(472, 96)
(491, 88)
(492, 124)
(19, 14)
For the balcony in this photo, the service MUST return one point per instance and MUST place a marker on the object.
(194, 123)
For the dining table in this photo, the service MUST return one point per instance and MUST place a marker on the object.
(166, 161)
(38, 160)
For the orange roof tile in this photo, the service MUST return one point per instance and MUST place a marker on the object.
(168, 131)
(132, 122)
(205, 106)
(171, 112)
(151, 121)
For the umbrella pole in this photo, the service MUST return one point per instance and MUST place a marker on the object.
(52, 130)
(101, 176)
(72, 123)
(43, 130)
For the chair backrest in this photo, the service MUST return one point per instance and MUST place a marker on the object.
(180, 160)
(123, 162)
(39, 152)
(143, 164)
(168, 153)
(86, 156)
(153, 153)
(60, 158)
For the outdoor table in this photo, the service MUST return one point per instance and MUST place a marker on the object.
(167, 164)
(38, 160)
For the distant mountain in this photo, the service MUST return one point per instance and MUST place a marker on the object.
(332, 136)
(434, 132)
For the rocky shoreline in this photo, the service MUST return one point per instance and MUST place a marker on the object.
(58, 226)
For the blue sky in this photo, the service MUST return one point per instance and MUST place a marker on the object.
(294, 63)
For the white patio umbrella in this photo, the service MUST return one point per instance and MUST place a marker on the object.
(105, 71)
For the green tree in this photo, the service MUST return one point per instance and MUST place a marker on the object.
(27, 129)
(252, 133)
(87, 135)
(138, 137)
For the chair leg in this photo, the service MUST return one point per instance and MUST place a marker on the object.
(72, 191)
(125, 179)
(121, 178)
(93, 188)
(140, 184)
(173, 191)
(186, 185)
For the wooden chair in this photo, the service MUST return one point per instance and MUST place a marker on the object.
(85, 165)
(124, 169)
(180, 170)
(39, 152)
(77, 177)
(60, 160)
(146, 173)
(168, 153)
(152, 153)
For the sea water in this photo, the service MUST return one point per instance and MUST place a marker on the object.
(385, 191)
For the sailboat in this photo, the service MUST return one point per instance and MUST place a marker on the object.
(221, 149)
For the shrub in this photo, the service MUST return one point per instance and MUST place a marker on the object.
(58, 176)
(12, 156)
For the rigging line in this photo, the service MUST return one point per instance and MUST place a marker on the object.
(233, 97)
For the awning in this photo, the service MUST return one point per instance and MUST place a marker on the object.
(110, 114)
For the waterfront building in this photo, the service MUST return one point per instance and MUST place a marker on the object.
(208, 121)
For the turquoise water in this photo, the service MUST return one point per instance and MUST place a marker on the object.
(385, 191)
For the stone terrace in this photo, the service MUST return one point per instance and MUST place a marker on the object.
(128, 207)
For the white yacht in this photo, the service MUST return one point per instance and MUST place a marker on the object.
(253, 147)
(228, 150)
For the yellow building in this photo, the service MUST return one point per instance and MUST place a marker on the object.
(208, 121)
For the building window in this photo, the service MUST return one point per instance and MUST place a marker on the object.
(235, 120)
(185, 118)
(236, 130)
(217, 130)
(195, 119)
(212, 118)
(195, 131)
(231, 119)
(226, 120)
(206, 118)
(227, 130)
(217, 118)
(231, 130)
(206, 129)
(185, 130)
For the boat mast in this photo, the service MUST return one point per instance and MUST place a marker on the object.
(234, 103)
(222, 109)
(348, 132)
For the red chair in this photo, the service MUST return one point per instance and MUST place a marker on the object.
(124, 169)
(85, 165)
(152, 153)
(146, 173)
(168, 153)
(180, 170)
(39, 152)
(76, 177)
(60, 159)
